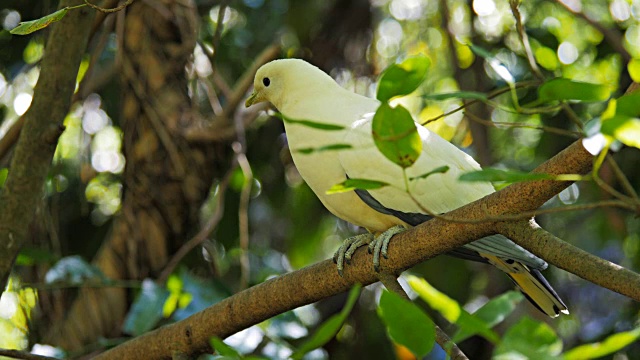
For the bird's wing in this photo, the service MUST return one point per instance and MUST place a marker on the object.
(438, 193)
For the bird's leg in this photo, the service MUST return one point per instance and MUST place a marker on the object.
(380, 244)
(348, 247)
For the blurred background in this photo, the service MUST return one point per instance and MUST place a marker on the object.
(158, 146)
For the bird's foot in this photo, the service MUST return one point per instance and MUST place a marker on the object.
(348, 248)
(380, 244)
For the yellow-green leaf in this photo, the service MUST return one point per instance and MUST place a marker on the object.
(610, 345)
(353, 184)
(624, 128)
(28, 27)
(634, 69)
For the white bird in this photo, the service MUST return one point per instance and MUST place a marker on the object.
(301, 91)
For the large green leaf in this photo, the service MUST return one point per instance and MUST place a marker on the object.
(492, 313)
(407, 324)
(450, 309)
(28, 27)
(396, 136)
(223, 349)
(531, 339)
(629, 104)
(610, 345)
(402, 79)
(352, 184)
(329, 328)
(560, 89)
(146, 310)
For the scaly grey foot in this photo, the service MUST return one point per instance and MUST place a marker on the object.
(380, 244)
(348, 248)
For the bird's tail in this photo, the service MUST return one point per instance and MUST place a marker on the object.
(533, 285)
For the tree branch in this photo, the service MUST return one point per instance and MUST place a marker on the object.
(37, 142)
(427, 240)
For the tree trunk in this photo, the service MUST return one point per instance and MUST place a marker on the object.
(166, 179)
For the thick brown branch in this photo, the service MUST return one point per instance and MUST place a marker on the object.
(321, 280)
(570, 258)
(34, 150)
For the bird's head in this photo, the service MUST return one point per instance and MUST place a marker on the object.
(281, 81)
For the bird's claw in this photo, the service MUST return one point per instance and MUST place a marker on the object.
(348, 248)
(377, 245)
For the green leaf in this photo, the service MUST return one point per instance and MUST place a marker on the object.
(564, 89)
(438, 170)
(610, 345)
(28, 27)
(352, 184)
(396, 136)
(311, 124)
(402, 79)
(533, 339)
(628, 104)
(546, 57)
(457, 95)
(492, 313)
(329, 328)
(491, 174)
(450, 309)
(482, 52)
(407, 324)
(331, 147)
(634, 69)
(624, 128)
(146, 310)
(223, 349)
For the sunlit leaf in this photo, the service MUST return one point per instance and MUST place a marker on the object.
(407, 324)
(402, 79)
(353, 184)
(457, 95)
(311, 124)
(332, 147)
(329, 328)
(396, 136)
(28, 27)
(438, 170)
(223, 349)
(530, 338)
(634, 69)
(560, 89)
(491, 174)
(546, 57)
(451, 310)
(146, 310)
(492, 313)
(626, 129)
(610, 345)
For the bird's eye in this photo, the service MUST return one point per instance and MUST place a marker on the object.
(266, 81)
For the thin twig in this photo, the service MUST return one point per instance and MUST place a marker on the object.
(525, 39)
(89, 284)
(550, 129)
(622, 178)
(116, 9)
(390, 281)
(219, 28)
(491, 95)
(204, 233)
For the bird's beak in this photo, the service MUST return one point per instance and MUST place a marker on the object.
(253, 99)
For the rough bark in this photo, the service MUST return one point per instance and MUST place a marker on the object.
(166, 178)
(42, 127)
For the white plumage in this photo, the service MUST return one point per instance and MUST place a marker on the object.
(303, 92)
